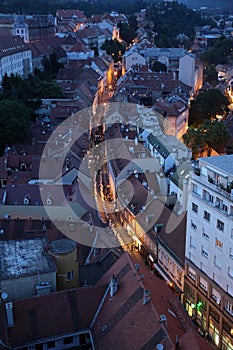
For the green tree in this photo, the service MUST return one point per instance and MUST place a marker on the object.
(207, 105)
(211, 75)
(219, 53)
(114, 48)
(14, 122)
(158, 67)
(215, 134)
(194, 140)
(127, 33)
(212, 134)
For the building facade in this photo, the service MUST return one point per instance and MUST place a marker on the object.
(191, 72)
(209, 250)
(15, 57)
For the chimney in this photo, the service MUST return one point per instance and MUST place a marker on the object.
(113, 286)
(9, 314)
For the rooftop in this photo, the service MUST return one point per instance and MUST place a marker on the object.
(62, 246)
(10, 45)
(225, 163)
(24, 257)
(120, 314)
(68, 308)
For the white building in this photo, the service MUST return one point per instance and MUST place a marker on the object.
(191, 72)
(130, 59)
(15, 57)
(209, 249)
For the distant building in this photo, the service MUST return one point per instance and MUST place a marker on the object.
(191, 72)
(34, 27)
(15, 57)
(26, 268)
(225, 72)
(168, 56)
(209, 249)
(79, 52)
(130, 59)
(68, 21)
(175, 112)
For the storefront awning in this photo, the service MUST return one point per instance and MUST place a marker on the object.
(161, 273)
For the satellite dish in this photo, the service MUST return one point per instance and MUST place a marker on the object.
(4, 296)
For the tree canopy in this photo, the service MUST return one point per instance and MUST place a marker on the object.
(212, 134)
(127, 33)
(114, 48)
(207, 105)
(219, 53)
(171, 19)
(14, 122)
(211, 75)
(158, 67)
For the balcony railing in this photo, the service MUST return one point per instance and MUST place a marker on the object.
(203, 180)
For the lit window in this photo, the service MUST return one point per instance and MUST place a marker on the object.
(218, 243)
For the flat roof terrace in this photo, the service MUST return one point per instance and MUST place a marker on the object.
(24, 257)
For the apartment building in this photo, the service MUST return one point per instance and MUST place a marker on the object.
(209, 250)
(15, 57)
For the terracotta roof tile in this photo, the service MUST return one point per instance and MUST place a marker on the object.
(73, 310)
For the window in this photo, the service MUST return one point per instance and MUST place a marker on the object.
(218, 243)
(231, 253)
(230, 271)
(51, 344)
(70, 275)
(192, 274)
(205, 235)
(225, 208)
(194, 208)
(217, 262)
(192, 242)
(229, 307)
(220, 225)
(39, 346)
(68, 340)
(194, 226)
(203, 284)
(205, 253)
(211, 198)
(82, 339)
(194, 188)
(206, 215)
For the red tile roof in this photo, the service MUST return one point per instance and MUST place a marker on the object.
(69, 14)
(54, 314)
(124, 322)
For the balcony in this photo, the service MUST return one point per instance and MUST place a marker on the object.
(211, 185)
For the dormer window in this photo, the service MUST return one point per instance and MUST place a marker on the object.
(49, 200)
(26, 200)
